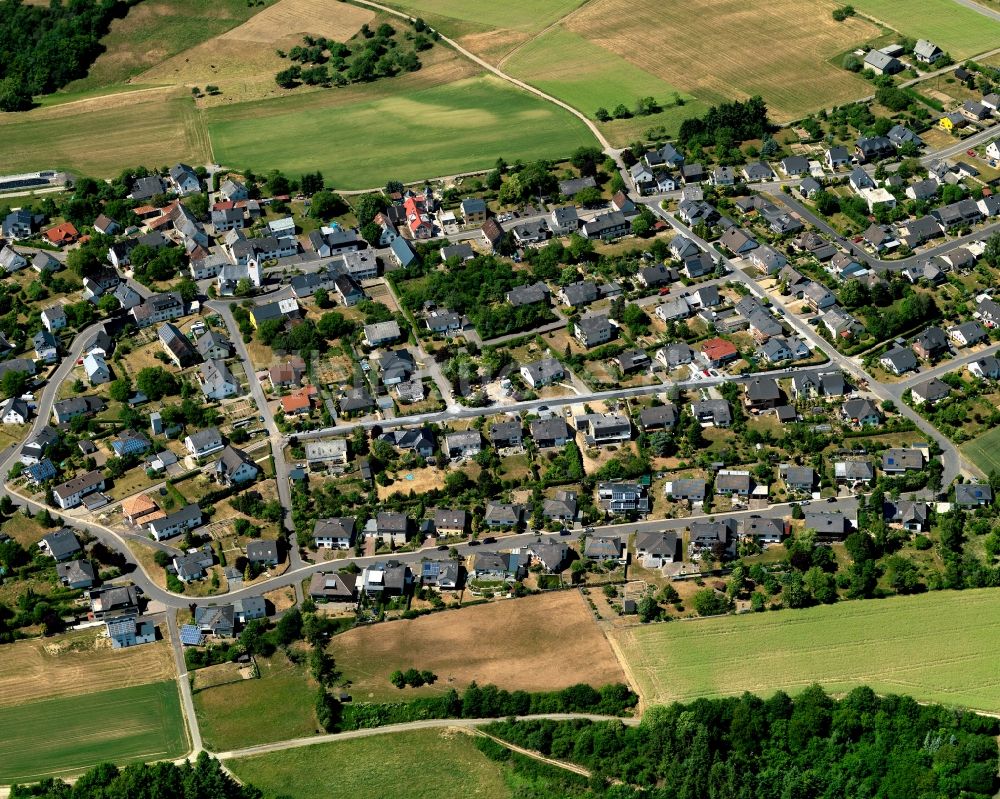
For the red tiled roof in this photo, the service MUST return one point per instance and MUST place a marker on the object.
(718, 348)
(62, 234)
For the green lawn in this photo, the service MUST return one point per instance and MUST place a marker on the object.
(529, 16)
(935, 648)
(276, 707)
(425, 764)
(952, 27)
(584, 74)
(984, 450)
(442, 130)
(59, 736)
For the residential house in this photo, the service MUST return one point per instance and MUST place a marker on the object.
(213, 346)
(11, 260)
(126, 631)
(175, 523)
(733, 482)
(836, 158)
(609, 428)
(492, 234)
(605, 548)
(737, 241)
(381, 333)
(561, 508)
(656, 276)
(583, 292)
(334, 533)
(868, 149)
(97, 369)
(564, 220)
(61, 545)
(204, 442)
(502, 514)
(686, 489)
(54, 318)
(158, 308)
(973, 495)
(758, 171)
(967, 333)
(71, 493)
(249, 608)
(113, 601)
(184, 180)
(657, 549)
(929, 392)
(214, 620)
(829, 526)
(14, 410)
(631, 361)
(464, 444)
(176, 345)
(658, 417)
(402, 252)
(129, 442)
(620, 497)
(235, 467)
(76, 574)
(593, 330)
(46, 347)
(861, 412)
(506, 434)
(396, 366)
(763, 530)
(911, 515)
(710, 535)
(986, 368)
(552, 432)
(767, 259)
(321, 454)
(420, 441)
(931, 344)
(551, 554)
(712, 412)
(448, 522)
(882, 64)
(263, 551)
(528, 295)
(761, 392)
(717, 352)
(333, 587)
(898, 461)
(216, 381)
(611, 225)
(798, 479)
(506, 567)
(569, 188)
(898, 360)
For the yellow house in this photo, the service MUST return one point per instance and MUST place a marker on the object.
(953, 121)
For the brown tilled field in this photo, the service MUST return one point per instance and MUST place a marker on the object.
(337, 21)
(780, 49)
(539, 643)
(77, 663)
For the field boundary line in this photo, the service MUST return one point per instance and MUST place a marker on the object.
(605, 144)
(541, 33)
(627, 669)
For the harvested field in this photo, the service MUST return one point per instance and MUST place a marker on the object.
(76, 663)
(523, 15)
(445, 129)
(155, 30)
(930, 647)
(339, 21)
(378, 766)
(779, 50)
(61, 736)
(243, 61)
(96, 137)
(509, 651)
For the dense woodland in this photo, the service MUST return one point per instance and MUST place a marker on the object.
(44, 48)
(779, 748)
(203, 779)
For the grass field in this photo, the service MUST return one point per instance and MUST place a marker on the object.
(726, 49)
(537, 643)
(75, 662)
(275, 707)
(59, 736)
(952, 27)
(984, 450)
(582, 74)
(102, 136)
(932, 647)
(440, 130)
(424, 764)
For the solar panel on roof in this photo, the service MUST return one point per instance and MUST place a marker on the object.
(190, 635)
